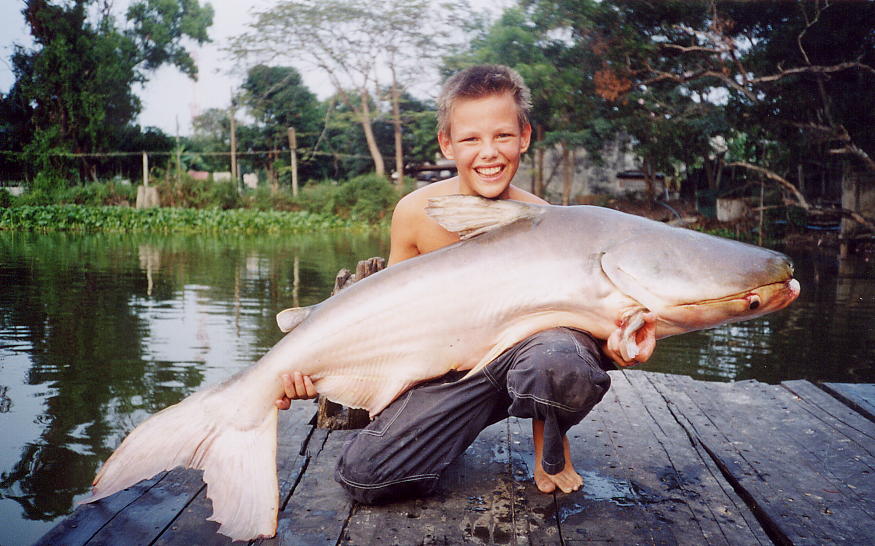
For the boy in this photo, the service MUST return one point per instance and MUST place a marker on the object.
(553, 377)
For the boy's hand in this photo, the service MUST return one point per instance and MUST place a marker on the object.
(297, 386)
(645, 340)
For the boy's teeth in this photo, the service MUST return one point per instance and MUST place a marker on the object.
(489, 171)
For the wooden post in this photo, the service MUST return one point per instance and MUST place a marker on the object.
(293, 151)
(566, 175)
(145, 169)
(178, 159)
(760, 233)
(234, 148)
(332, 415)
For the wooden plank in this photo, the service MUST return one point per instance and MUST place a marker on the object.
(318, 508)
(88, 519)
(294, 428)
(785, 461)
(535, 513)
(835, 414)
(477, 501)
(143, 520)
(860, 396)
(646, 481)
(722, 516)
(611, 505)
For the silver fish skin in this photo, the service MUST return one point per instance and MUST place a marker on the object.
(520, 268)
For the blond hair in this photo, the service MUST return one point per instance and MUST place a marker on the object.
(482, 81)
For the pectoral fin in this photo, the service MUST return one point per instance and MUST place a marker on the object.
(288, 319)
(469, 215)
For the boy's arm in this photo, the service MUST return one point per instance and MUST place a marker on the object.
(403, 237)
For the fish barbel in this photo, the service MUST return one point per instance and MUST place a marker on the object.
(520, 269)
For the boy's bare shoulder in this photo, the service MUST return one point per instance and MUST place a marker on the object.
(518, 194)
(414, 203)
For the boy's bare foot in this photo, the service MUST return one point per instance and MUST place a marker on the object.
(567, 480)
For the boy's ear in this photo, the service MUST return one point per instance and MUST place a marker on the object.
(445, 143)
(525, 138)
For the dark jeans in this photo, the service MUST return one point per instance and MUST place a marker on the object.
(556, 376)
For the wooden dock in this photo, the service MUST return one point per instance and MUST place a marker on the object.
(666, 460)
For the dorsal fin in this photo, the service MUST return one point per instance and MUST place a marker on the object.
(470, 215)
(288, 319)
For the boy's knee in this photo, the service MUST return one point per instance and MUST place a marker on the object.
(367, 487)
(562, 366)
(370, 482)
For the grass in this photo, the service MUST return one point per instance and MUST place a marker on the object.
(176, 220)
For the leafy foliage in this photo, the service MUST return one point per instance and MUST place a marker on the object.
(73, 90)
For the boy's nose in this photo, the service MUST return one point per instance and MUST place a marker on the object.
(488, 150)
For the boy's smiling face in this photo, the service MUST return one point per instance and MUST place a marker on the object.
(486, 141)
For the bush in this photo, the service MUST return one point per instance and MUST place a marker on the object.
(97, 194)
(198, 194)
(6, 198)
(368, 197)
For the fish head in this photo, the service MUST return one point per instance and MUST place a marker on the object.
(693, 280)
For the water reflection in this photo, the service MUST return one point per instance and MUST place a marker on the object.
(98, 331)
(826, 335)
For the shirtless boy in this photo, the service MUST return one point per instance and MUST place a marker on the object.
(553, 377)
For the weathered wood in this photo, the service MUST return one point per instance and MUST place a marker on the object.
(719, 513)
(293, 431)
(479, 500)
(88, 519)
(143, 520)
(666, 459)
(860, 396)
(807, 481)
(332, 415)
(645, 475)
(318, 509)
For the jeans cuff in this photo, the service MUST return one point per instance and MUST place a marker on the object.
(552, 468)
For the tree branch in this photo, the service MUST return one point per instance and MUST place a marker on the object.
(801, 202)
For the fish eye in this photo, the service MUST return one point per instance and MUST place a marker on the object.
(754, 303)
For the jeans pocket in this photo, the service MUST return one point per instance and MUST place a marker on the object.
(381, 424)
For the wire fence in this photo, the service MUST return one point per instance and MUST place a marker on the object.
(17, 167)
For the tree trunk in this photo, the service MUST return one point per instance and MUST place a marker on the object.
(365, 119)
(567, 175)
(539, 163)
(396, 121)
(650, 181)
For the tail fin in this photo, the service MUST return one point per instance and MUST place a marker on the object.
(222, 431)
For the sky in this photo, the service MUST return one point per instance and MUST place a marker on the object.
(169, 96)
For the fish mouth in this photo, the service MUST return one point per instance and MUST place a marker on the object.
(745, 305)
(765, 298)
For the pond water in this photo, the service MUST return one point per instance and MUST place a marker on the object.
(99, 331)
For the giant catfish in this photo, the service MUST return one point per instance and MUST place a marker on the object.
(520, 268)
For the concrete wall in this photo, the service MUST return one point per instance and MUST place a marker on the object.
(588, 177)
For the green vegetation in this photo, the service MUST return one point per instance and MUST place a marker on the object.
(194, 205)
(176, 220)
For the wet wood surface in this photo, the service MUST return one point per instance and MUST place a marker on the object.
(665, 459)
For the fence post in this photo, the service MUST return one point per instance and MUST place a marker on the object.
(234, 149)
(145, 169)
(293, 150)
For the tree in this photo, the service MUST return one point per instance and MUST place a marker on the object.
(797, 74)
(278, 99)
(76, 81)
(354, 43)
